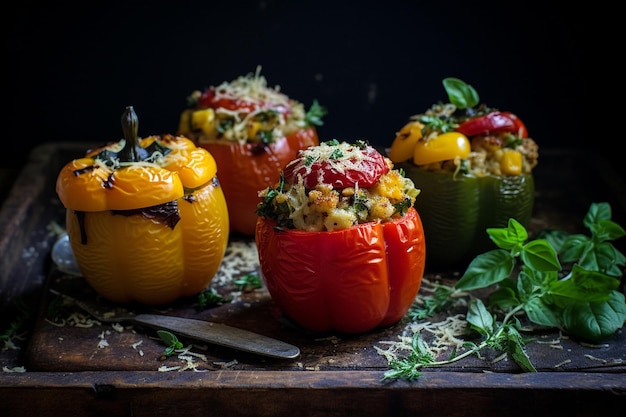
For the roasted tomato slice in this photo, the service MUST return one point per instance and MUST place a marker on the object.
(492, 123)
(361, 164)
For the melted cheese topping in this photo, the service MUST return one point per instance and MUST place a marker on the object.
(269, 115)
(338, 158)
(252, 89)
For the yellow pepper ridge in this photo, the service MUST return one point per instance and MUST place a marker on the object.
(89, 184)
(147, 219)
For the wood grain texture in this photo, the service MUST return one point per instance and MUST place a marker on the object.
(335, 374)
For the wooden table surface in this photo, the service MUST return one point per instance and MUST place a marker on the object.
(99, 370)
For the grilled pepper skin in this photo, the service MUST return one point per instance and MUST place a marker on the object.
(147, 233)
(351, 280)
(457, 209)
(246, 168)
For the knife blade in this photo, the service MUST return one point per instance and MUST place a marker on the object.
(204, 331)
(220, 334)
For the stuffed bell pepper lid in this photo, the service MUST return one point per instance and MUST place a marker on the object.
(253, 130)
(341, 246)
(474, 166)
(146, 217)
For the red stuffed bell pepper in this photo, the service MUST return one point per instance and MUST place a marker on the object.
(340, 245)
(252, 131)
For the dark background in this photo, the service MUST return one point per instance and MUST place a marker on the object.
(71, 70)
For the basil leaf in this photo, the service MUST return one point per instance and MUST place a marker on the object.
(583, 285)
(460, 94)
(487, 269)
(595, 321)
(540, 255)
(541, 313)
(479, 318)
(515, 348)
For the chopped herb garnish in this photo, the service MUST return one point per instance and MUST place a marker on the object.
(249, 282)
(315, 114)
(171, 342)
(209, 298)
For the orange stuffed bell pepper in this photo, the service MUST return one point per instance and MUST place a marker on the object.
(147, 219)
(252, 131)
(340, 245)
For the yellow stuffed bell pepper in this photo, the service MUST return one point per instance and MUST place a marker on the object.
(147, 219)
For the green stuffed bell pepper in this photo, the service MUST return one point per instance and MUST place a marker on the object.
(473, 165)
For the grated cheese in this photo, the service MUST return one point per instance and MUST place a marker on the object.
(19, 369)
(352, 159)
(565, 362)
(103, 342)
(593, 358)
(117, 327)
(499, 358)
(446, 335)
(240, 258)
(252, 89)
(263, 109)
(189, 358)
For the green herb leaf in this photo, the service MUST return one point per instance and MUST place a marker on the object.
(511, 237)
(574, 247)
(171, 341)
(248, 282)
(504, 297)
(539, 255)
(314, 115)
(583, 285)
(409, 368)
(439, 300)
(541, 313)
(555, 238)
(460, 94)
(20, 320)
(479, 318)
(515, 349)
(486, 269)
(596, 213)
(596, 321)
(585, 303)
(210, 297)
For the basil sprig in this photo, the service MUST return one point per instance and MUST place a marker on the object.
(583, 300)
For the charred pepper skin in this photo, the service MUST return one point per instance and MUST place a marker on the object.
(147, 232)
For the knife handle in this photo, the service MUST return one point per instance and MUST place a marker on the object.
(221, 334)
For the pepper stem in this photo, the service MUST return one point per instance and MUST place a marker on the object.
(130, 127)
